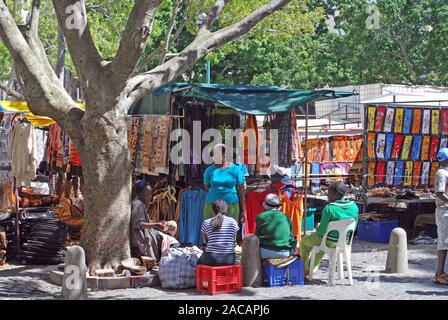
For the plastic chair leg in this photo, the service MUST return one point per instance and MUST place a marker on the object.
(347, 256)
(341, 265)
(333, 261)
(312, 261)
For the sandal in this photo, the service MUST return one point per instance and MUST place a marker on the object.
(440, 280)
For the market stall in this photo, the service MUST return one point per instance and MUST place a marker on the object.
(403, 134)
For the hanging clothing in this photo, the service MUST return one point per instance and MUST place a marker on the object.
(133, 126)
(56, 147)
(254, 207)
(294, 210)
(23, 152)
(191, 215)
(195, 168)
(6, 125)
(250, 143)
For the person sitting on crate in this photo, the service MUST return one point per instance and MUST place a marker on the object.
(336, 210)
(219, 234)
(274, 230)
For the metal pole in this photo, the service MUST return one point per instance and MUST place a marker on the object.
(208, 64)
(305, 168)
(365, 157)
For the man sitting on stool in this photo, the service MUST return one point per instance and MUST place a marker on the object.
(274, 230)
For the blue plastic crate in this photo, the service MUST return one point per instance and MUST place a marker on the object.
(292, 275)
(376, 231)
(309, 219)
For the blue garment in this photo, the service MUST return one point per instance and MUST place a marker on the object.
(243, 169)
(191, 216)
(274, 254)
(222, 183)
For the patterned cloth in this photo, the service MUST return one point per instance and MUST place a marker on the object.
(177, 268)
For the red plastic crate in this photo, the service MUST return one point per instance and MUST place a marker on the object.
(213, 280)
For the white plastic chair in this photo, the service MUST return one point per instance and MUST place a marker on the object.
(338, 254)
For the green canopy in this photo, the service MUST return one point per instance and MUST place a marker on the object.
(252, 99)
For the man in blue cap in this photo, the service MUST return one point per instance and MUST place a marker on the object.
(441, 189)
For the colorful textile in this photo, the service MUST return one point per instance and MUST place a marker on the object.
(6, 126)
(426, 127)
(425, 173)
(133, 128)
(379, 120)
(381, 146)
(371, 111)
(407, 121)
(399, 115)
(434, 149)
(371, 173)
(380, 172)
(389, 120)
(397, 146)
(444, 120)
(399, 173)
(406, 148)
(425, 148)
(417, 173)
(250, 140)
(432, 176)
(389, 145)
(435, 122)
(390, 173)
(371, 145)
(417, 121)
(408, 174)
(416, 148)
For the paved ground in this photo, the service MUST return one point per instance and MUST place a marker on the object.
(29, 282)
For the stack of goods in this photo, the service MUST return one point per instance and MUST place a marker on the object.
(403, 144)
(44, 237)
(28, 199)
(382, 192)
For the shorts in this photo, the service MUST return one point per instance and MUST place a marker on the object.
(442, 228)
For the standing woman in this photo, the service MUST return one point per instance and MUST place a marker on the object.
(225, 181)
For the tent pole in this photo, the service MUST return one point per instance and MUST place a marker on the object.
(305, 168)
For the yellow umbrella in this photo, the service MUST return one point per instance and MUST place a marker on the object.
(22, 107)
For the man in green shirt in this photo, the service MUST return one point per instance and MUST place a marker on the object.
(274, 230)
(337, 209)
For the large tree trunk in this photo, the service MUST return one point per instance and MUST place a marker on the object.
(107, 176)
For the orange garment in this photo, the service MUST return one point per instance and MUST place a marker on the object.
(294, 210)
(74, 155)
(249, 139)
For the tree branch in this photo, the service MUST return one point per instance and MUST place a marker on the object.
(166, 44)
(11, 92)
(44, 96)
(212, 16)
(143, 84)
(73, 21)
(136, 34)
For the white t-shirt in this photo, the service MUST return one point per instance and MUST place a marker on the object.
(441, 185)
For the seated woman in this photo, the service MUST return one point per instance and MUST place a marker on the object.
(219, 234)
(274, 230)
(337, 209)
(147, 238)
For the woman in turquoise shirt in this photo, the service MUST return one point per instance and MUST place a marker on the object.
(225, 181)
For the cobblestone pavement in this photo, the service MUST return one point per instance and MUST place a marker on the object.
(31, 282)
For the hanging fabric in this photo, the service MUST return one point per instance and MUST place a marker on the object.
(399, 115)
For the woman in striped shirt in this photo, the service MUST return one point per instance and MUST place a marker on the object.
(219, 234)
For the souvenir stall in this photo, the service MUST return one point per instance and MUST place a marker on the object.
(334, 152)
(403, 135)
(30, 229)
(220, 107)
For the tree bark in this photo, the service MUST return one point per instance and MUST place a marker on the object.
(107, 174)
